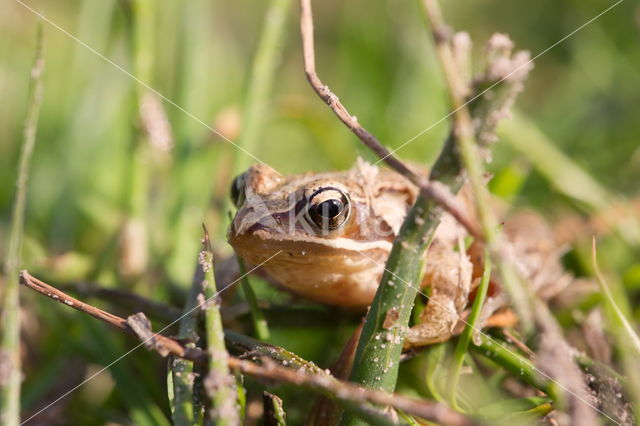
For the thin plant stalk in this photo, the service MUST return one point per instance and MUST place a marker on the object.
(380, 345)
(513, 362)
(378, 354)
(465, 338)
(256, 108)
(143, 48)
(260, 326)
(630, 333)
(220, 384)
(184, 409)
(274, 414)
(10, 343)
(134, 237)
(624, 333)
(351, 396)
(472, 160)
(260, 84)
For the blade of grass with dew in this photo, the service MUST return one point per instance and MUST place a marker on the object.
(510, 360)
(469, 148)
(377, 357)
(10, 343)
(378, 353)
(519, 411)
(245, 344)
(465, 338)
(185, 411)
(274, 414)
(381, 342)
(220, 384)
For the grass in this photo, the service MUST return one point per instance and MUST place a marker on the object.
(10, 354)
(573, 140)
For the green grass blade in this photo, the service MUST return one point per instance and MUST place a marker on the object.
(378, 354)
(260, 326)
(10, 344)
(624, 334)
(263, 71)
(629, 332)
(524, 136)
(184, 408)
(465, 338)
(515, 363)
(274, 414)
(220, 384)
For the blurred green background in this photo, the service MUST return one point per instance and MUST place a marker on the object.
(94, 173)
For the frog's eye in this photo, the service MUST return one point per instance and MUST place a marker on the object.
(237, 191)
(328, 208)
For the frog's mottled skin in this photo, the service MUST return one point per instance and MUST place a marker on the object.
(343, 267)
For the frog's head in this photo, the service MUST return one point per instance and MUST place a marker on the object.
(323, 226)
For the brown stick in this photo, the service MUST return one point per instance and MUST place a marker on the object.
(129, 299)
(346, 391)
(441, 195)
(324, 383)
(172, 346)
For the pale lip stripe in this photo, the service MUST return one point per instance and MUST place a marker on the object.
(145, 341)
(459, 318)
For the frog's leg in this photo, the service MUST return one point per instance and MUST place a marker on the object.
(448, 275)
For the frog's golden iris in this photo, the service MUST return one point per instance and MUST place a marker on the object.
(328, 208)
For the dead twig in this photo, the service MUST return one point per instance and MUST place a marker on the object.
(345, 391)
(470, 137)
(131, 300)
(172, 346)
(352, 396)
(438, 192)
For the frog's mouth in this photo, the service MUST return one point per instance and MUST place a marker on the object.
(267, 241)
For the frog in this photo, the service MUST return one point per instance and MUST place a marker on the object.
(326, 236)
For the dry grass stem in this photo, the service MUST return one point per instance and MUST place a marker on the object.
(352, 396)
(440, 194)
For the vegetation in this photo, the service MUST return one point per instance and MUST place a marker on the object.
(149, 109)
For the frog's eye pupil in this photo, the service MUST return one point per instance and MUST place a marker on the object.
(237, 191)
(330, 209)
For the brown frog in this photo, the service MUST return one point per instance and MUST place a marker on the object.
(331, 234)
